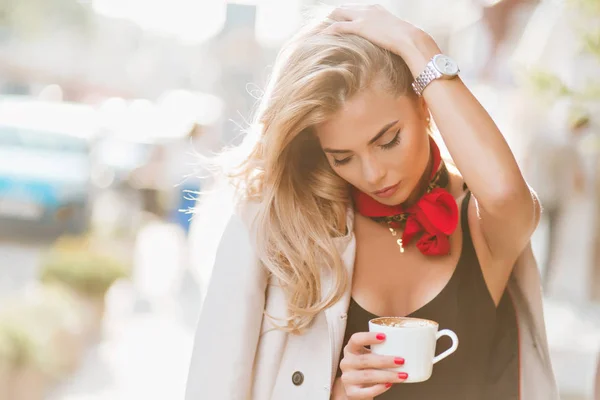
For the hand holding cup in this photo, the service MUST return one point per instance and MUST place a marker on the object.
(364, 374)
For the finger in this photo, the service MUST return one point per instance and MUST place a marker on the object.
(367, 392)
(342, 27)
(345, 14)
(358, 341)
(356, 6)
(369, 360)
(372, 376)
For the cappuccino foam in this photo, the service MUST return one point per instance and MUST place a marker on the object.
(403, 322)
(407, 324)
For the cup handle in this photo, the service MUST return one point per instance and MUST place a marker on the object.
(452, 349)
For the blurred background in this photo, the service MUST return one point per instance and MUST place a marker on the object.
(106, 106)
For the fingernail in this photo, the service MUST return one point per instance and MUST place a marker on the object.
(399, 361)
(380, 336)
(388, 385)
(402, 375)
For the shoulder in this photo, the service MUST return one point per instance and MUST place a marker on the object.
(223, 205)
(457, 186)
(236, 231)
(247, 211)
(221, 222)
(461, 194)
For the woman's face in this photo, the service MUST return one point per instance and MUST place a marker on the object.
(378, 143)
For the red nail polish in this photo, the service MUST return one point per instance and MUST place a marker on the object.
(388, 385)
(380, 336)
(402, 375)
(399, 361)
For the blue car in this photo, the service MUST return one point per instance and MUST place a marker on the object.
(45, 166)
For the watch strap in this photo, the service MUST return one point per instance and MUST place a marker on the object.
(429, 74)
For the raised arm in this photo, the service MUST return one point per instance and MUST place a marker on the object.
(508, 211)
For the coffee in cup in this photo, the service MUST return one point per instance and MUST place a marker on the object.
(413, 339)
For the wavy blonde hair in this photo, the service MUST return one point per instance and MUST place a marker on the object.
(303, 202)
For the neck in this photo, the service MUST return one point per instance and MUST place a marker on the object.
(421, 187)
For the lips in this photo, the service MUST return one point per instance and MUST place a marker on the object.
(387, 191)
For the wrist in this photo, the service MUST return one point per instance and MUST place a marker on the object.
(417, 50)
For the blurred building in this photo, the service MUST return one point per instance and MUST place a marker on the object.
(93, 56)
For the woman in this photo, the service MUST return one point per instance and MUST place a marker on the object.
(347, 206)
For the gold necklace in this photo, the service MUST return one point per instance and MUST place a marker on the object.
(440, 179)
(394, 234)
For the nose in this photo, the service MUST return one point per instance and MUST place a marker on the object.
(373, 171)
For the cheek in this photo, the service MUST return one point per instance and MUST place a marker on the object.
(421, 156)
(410, 157)
(390, 162)
(350, 173)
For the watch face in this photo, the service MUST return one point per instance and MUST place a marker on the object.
(445, 65)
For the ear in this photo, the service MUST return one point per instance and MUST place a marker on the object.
(423, 110)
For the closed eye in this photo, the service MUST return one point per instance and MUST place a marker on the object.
(343, 161)
(392, 142)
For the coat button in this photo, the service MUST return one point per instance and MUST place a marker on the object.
(297, 378)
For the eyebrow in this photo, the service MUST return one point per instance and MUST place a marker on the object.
(379, 134)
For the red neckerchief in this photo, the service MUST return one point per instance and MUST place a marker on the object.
(432, 218)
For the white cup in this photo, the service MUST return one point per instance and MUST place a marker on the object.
(414, 340)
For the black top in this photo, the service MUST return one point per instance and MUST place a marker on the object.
(486, 363)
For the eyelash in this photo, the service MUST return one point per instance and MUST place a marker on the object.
(392, 142)
(386, 146)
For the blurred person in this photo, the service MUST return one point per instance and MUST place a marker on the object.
(185, 177)
(597, 383)
(239, 55)
(592, 146)
(499, 19)
(346, 211)
(554, 168)
(150, 180)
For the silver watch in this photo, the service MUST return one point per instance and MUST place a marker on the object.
(440, 67)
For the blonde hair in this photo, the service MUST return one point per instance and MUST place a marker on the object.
(303, 202)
